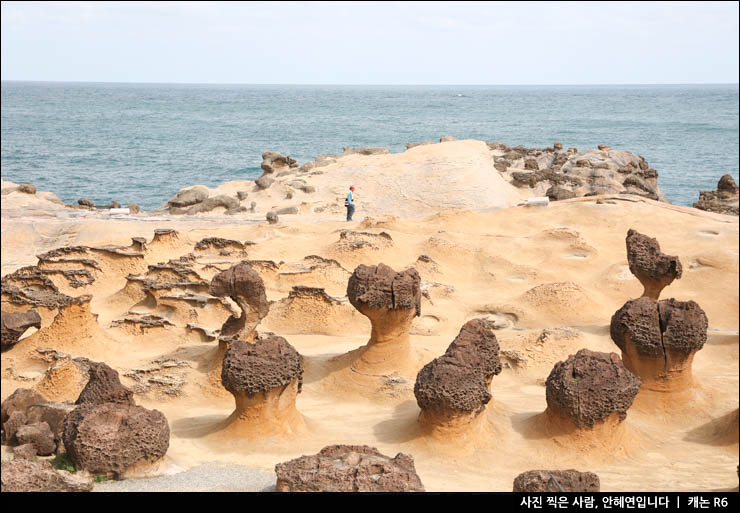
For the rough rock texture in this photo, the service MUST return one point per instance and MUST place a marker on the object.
(654, 269)
(458, 380)
(16, 420)
(27, 188)
(22, 475)
(684, 325)
(38, 434)
(246, 288)
(110, 437)
(85, 203)
(269, 363)
(272, 217)
(15, 324)
(589, 386)
(188, 197)
(133, 208)
(383, 288)
(19, 400)
(25, 452)
(725, 200)
(208, 204)
(348, 468)
(52, 413)
(104, 386)
(569, 480)
(556, 193)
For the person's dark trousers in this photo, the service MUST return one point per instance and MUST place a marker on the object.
(350, 212)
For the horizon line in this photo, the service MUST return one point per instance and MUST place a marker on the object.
(366, 85)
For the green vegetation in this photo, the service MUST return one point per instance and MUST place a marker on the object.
(62, 462)
(100, 478)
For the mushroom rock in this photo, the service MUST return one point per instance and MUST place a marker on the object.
(348, 468)
(658, 340)
(24, 475)
(115, 438)
(589, 390)
(568, 480)
(104, 386)
(390, 300)
(264, 377)
(453, 390)
(654, 269)
(15, 324)
(246, 288)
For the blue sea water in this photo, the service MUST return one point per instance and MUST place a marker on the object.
(143, 142)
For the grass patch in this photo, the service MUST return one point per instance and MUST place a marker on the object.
(62, 462)
(100, 478)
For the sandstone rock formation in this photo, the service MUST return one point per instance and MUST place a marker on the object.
(658, 340)
(654, 269)
(348, 468)
(724, 200)
(15, 324)
(22, 475)
(111, 438)
(104, 386)
(264, 378)
(588, 388)
(556, 481)
(453, 389)
(390, 300)
(246, 288)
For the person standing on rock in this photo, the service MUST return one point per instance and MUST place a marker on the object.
(349, 202)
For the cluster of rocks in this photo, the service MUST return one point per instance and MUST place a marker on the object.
(453, 389)
(562, 174)
(134, 208)
(197, 200)
(658, 338)
(724, 200)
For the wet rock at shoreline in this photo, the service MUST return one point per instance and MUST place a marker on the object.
(724, 200)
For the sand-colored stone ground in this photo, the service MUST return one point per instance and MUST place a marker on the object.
(550, 277)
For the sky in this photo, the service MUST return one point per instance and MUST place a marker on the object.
(476, 43)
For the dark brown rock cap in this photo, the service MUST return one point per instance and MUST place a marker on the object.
(589, 386)
(240, 281)
(349, 468)
(476, 346)
(112, 437)
(657, 327)
(15, 324)
(104, 386)
(646, 260)
(268, 363)
(379, 286)
(548, 480)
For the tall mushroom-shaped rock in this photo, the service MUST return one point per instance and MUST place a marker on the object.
(654, 269)
(115, 438)
(658, 340)
(348, 468)
(247, 289)
(265, 377)
(390, 300)
(453, 390)
(590, 389)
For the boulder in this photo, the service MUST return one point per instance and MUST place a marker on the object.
(16, 420)
(27, 188)
(272, 217)
(263, 182)
(287, 210)
(570, 480)
(15, 324)
(556, 193)
(246, 288)
(104, 386)
(558, 146)
(188, 197)
(19, 400)
(38, 434)
(590, 386)
(133, 208)
(25, 452)
(52, 413)
(348, 468)
(85, 203)
(531, 164)
(22, 475)
(110, 438)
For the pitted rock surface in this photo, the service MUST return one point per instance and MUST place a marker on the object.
(268, 363)
(110, 437)
(15, 324)
(19, 400)
(458, 380)
(38, 434)
(246, 288)
(349, 468)
(381, 287)
(23, 475)
(589, 386)
(654, 269)
(657, 327)
(104, 386)
(569, 480)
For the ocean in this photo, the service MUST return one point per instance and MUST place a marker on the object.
(144, 142)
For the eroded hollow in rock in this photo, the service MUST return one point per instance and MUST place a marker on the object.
(264, 377)
(659, 339)
(589, 391)
(453, 389)
(246, 288)
(390, 300)
(654, 269)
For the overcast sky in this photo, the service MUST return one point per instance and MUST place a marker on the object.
(372, 43)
